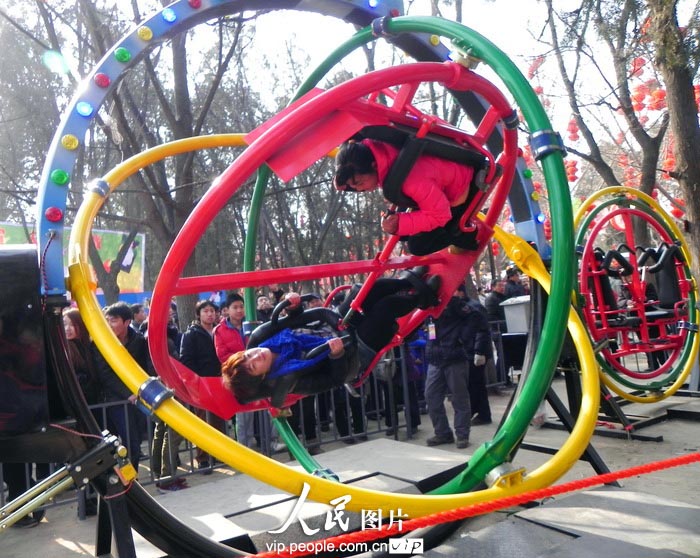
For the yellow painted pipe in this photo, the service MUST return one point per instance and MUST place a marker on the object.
(623, 190)
(268, 470)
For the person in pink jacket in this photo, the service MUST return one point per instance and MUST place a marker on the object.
(438, 188)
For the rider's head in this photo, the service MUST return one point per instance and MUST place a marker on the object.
(355, 168)
(244, 371)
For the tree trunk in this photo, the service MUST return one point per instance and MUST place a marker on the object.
(673, 62)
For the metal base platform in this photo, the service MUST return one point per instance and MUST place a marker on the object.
(604, 522)
(235, 508)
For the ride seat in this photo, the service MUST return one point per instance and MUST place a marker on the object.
(665, 259)
(604, 296)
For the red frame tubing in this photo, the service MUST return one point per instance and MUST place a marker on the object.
(287, 137)
(637, 289)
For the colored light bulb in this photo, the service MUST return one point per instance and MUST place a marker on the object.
(70, 142)
(196, 4)
(122, 55)
(102, 80)
(60, 177)
(53, 214)
(144, 33)
(169, 15)
(83, 108)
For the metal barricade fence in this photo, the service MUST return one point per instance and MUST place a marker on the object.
(337, 416)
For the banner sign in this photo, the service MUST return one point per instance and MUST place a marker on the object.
(108, 243)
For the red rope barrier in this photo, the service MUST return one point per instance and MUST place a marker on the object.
(488, 507)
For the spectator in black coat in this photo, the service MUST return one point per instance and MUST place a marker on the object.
(198, 353)
(514, 286)
(125, 420)
(494, 311)
(477, 343)
(197, 350)
(264, 309)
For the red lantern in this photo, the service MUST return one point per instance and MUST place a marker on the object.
(677, 212)
(495, 248)
(547, 225)
(658, 100)
(617, 222)
(536, 63)
(637, 66)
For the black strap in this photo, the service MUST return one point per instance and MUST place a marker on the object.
(268, 329)
(402, 166)
(615, 255)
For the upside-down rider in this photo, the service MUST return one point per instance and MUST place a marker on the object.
(278, 365)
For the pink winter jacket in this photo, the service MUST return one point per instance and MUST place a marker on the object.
(434, 184)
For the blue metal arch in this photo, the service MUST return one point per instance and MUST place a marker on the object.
(178, 17)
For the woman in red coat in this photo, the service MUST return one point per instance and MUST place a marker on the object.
(438, 188)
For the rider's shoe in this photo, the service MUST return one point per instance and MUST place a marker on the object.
(429, 295)
(413, 273)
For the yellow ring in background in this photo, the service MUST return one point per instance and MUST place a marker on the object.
(651, 397)
(617, 190)
(268, 470)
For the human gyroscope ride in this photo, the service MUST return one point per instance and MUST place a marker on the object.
(379, 105)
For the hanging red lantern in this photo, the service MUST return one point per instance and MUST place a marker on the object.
(536, 63)
(677, 212)
(658, 99)
(640, 92)
(573, 129)
(571, 166)
(547, 226)
(617, 222)
(669, 165)
(637, 68)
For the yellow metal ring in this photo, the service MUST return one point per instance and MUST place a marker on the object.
(268, 470)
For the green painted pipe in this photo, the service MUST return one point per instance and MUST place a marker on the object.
(494, 453)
